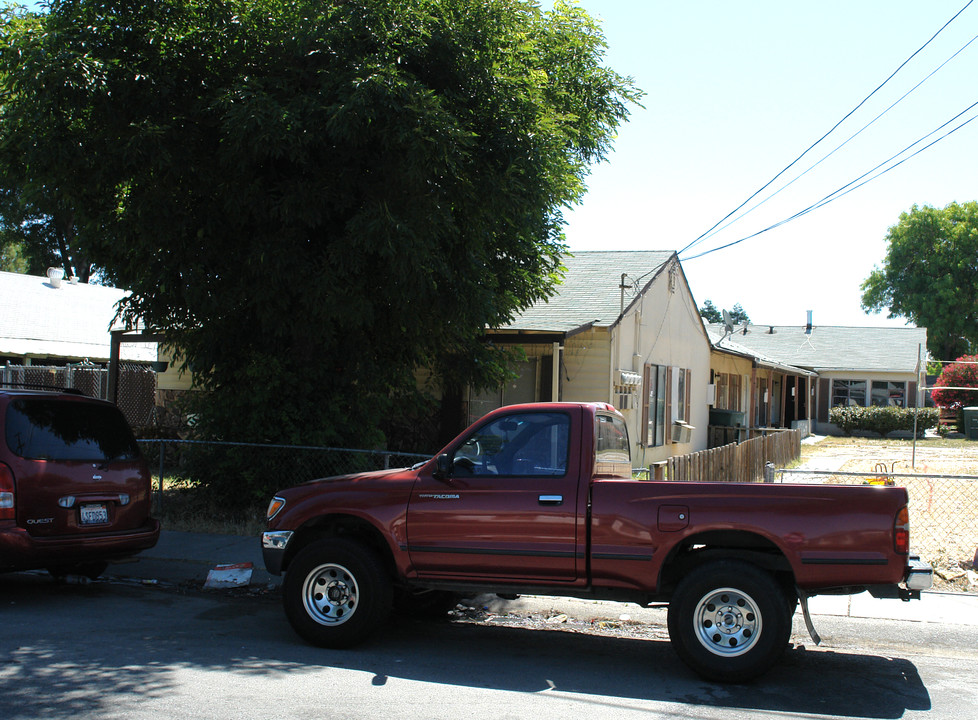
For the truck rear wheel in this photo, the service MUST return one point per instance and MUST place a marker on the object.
(729, 621)
(336, 593)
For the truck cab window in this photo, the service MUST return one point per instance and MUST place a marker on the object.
(527, 444)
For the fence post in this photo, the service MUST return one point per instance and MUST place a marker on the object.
(162, 450)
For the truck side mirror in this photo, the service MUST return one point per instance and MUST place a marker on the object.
(443, 466)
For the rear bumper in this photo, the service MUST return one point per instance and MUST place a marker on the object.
(19, 550)
(918, 576)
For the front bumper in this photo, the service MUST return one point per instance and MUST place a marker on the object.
(273, 547)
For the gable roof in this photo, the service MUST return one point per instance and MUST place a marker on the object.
(590, 295)
(827, 348)
(71, 321)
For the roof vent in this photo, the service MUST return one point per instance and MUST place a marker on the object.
(55, 275)
(808, 327)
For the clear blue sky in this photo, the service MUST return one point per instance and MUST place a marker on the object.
(735, 92)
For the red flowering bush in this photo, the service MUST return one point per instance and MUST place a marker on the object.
(962, 373)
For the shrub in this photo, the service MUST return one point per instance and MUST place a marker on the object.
(881, 419)
(963, 373)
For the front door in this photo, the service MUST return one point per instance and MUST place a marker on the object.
(509, 510)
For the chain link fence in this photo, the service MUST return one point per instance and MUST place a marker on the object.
(943, 515)
(278, 466)
(137, 384)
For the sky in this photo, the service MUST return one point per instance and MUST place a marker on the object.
(737, 91)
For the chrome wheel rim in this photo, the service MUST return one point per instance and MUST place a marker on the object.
(727, 622)
(330, 594)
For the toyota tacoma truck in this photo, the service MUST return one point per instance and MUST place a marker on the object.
(540, 499)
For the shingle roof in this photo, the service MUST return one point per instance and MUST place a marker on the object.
(827, 348)
(590, 292)
(71, 321)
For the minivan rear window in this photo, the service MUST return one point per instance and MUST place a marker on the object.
(52, 429)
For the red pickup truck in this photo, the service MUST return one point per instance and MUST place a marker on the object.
(540, 499)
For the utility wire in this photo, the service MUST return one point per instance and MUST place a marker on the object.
(835, 195)
(716, 230)
(861, 103)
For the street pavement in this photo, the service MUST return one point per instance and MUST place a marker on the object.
(186, 559)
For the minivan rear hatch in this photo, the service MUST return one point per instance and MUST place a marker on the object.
(76, 465)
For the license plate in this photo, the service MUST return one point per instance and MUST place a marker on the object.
(94, 514)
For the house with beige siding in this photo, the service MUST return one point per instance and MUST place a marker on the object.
(623, 329)
(751, 391)
(823, 366)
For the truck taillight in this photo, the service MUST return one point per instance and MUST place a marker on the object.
(901, 531)
(7, 508)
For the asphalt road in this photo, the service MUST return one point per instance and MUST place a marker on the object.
(124, 650)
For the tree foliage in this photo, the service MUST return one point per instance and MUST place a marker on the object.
(312, 198)
(36, 217)
(710, 313)
(739, 315)
(930, 276)
(962, 373)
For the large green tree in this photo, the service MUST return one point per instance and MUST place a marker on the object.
(36, 217)
(312, 198)
(930, 276)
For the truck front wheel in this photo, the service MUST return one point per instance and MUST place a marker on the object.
(729, 621)
(336, 593)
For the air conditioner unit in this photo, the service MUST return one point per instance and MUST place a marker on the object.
(681, 432)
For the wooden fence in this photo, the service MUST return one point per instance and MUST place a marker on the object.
(742, 462)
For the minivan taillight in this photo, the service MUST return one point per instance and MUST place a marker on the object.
(7, 509)
(901, 531)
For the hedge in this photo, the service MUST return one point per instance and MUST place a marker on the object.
(881, 419)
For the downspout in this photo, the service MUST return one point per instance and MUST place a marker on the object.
(555, 380)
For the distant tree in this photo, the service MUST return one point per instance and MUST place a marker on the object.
(963, 373)
(738, 315)
(12, 257)
(312, 199)
(930, 276)
(710, 313)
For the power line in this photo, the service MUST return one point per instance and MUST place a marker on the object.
(846, 117)
(716, 230)
(836, 194)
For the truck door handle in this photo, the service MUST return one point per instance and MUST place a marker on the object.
(551, 499)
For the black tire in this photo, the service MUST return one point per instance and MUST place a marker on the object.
(336, 593)
(729, 621)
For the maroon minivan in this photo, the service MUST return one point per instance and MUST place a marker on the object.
(74, 488)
